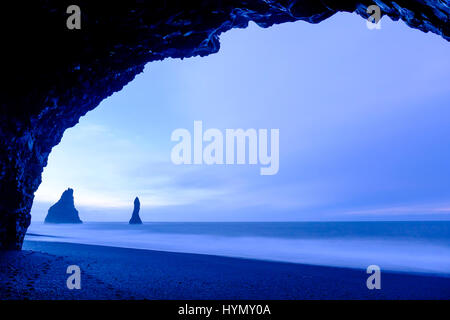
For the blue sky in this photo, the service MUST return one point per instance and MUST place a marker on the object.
(364, 120)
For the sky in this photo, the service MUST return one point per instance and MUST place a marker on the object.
(363, 118)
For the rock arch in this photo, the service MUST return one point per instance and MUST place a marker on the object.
(54, 75)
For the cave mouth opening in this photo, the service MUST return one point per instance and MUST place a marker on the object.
(72, 72)
(322, 103)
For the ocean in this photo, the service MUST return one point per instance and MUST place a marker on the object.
(418, 247)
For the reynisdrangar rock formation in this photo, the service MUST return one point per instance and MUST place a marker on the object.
(135, 219)
(54, 75)
(64, 210)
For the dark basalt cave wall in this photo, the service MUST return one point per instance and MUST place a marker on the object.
(52, 76)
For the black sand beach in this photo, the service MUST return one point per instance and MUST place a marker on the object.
(39, 272)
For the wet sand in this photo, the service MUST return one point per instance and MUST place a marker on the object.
(39, 272)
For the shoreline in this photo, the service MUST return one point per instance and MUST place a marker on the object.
(39, 272)
(424, 273)
(409, 247)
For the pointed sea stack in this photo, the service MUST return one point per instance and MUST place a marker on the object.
(64, 210)
(135, 219)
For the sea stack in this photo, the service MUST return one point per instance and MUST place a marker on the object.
(64, 210)
(135, 219)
